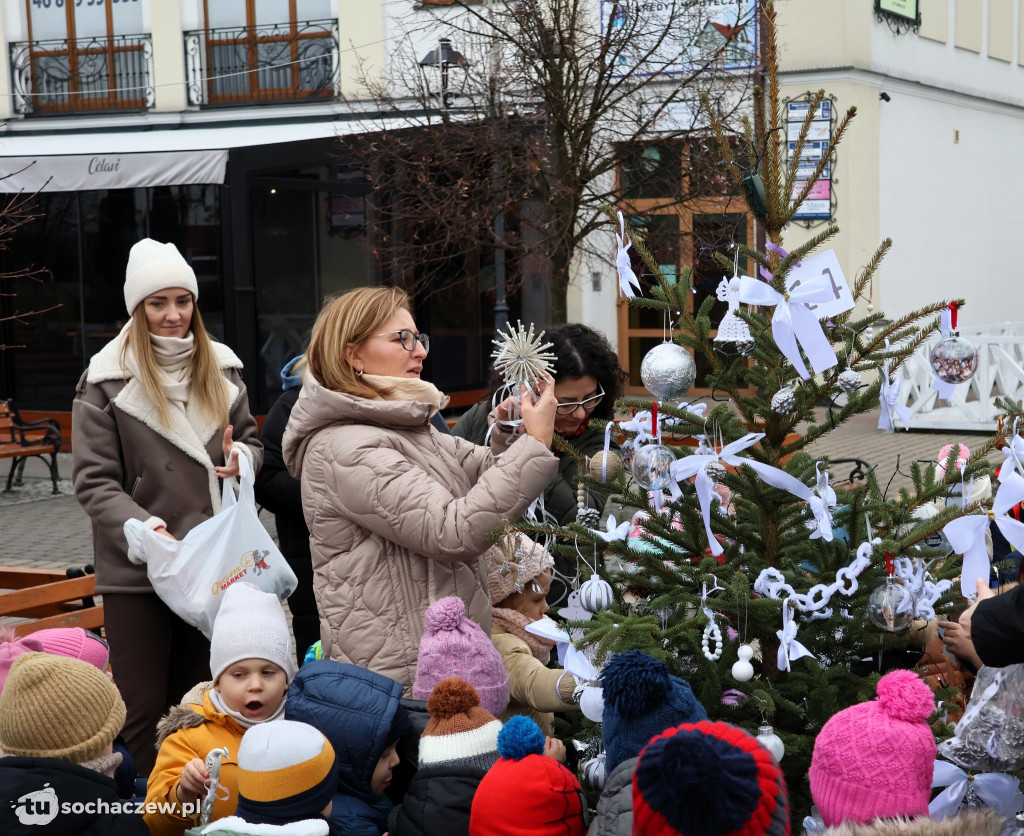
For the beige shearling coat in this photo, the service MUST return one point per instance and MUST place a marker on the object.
(533, 686)
(127, 465)
(398, 515)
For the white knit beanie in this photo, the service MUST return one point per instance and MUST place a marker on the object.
(250, 624)
(153, 267)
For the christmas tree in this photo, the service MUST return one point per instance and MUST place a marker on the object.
(770, 618)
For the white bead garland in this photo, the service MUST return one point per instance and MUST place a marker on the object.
(712, 633)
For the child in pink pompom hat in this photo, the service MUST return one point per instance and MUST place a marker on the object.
(875, 760)
(75, 643)
(452, 645)
(11, 647)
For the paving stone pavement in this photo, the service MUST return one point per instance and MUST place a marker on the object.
(42, 531)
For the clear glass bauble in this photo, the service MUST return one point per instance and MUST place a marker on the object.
(668, 371)
(767, 737)
(650, 466)
(954, 359)
(891, 606)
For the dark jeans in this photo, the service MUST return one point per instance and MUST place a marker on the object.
(156, 658)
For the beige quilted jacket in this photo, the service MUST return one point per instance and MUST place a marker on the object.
(398, 515)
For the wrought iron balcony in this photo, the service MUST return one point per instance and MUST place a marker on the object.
(281, 62)
(82, 75)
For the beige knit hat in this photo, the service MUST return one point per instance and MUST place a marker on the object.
(153, 267)
(512, 563)
(55, 707)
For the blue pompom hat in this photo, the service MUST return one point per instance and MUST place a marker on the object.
(641, 699)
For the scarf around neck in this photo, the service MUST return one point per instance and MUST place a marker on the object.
(407, 389)
(514, 623)
(218, 702)
(172, 355)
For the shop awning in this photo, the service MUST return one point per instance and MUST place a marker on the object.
(76, 161)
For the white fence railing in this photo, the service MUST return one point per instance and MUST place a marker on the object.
(973, 405)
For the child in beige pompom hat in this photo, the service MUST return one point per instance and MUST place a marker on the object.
(519, 573)
(58, 721)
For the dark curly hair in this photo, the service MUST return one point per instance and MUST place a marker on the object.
(581, 351)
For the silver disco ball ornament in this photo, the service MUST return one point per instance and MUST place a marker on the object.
(651, 466)
(954, 359)
(784, 401)
(891, 606)
(849, 381)
(668, 371)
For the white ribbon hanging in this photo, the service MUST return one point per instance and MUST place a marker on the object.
(997, 790)
(640, 425)
(613, 531)
(794, 324)
(967, 534)
(627, 278)
(696, 466)
(914, 576)
(822, 499)
(1013, 451)
(789, 648)
(944, 389)
(607, 450)
(888, 399)
(704, 594)
(771, 583)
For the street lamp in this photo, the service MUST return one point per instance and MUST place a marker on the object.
(443, 57)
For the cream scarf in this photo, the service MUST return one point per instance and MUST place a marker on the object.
(218, 702)
(407, 389)
(514, 623)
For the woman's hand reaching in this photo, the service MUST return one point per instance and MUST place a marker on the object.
(539, 411)
(230, 469)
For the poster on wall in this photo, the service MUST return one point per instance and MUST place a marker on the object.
(818, 205)
(660, 34)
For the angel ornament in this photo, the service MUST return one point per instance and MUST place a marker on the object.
(733, 335)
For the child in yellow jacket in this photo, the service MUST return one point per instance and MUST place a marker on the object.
(252, 663)
(519, 575)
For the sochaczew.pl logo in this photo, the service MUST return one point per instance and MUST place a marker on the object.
(42, 807)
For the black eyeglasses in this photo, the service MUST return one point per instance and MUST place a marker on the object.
(589, 405)
(409, 338)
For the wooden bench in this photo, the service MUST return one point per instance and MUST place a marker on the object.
(44, 598)
(21, 440)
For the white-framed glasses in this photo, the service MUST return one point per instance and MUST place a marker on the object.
(589, 405)
(409, 338)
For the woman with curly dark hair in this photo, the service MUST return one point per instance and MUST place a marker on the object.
(588, 380)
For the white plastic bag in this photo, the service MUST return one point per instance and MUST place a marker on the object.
(191, 574)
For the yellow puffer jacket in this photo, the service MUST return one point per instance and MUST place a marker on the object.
(533, 686)
(191, 730)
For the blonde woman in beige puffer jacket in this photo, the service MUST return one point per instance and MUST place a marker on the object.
(398, 513)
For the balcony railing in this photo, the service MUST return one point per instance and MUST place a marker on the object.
(281, 62)
(82, 75)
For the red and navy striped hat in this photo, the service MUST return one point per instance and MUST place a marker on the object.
(708, 779)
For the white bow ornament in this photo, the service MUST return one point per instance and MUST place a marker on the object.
(789, 648)
(695, 465)
(998, 791)
(822, 499)
(888, 399)
(613, 531)
(967, 534)
(794, 324)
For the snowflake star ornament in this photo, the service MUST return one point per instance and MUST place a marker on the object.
(627, 278)
(521, 358)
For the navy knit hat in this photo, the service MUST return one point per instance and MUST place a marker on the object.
(708, 779)
(641, 699)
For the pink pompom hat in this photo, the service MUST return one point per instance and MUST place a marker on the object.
(453, 645)
(75, 643)
(875, 760)
(11, 647)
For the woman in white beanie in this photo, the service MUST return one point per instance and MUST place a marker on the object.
(160, 415)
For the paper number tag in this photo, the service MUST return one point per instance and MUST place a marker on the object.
(824, 264)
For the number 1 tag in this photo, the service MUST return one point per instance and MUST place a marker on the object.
(824, 265)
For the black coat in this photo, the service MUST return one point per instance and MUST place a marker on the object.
(438, 802)
(997, 629)
(29, 808)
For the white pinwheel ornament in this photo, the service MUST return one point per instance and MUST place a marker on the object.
(627, 278)
(695, 466)
(967, 534)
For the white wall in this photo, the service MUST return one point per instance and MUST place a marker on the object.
(952, 208)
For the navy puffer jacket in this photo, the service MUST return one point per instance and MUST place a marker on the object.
(360, 712)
